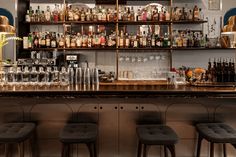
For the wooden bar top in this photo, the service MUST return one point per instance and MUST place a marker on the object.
(117, 90)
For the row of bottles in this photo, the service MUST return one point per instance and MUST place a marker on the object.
(95, 40)
(183, 13)
(90, 14)
(100, 13)
(142, 40)
(220, 70)
(76, 40)
(49, 76)
(38, 15)
(143, 14)
(188, 38)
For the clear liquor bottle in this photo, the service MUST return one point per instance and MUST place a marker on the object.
(18, 75)
(55, 75)
(41, 76)
(26, 75)
(34, 76)
(11, 78)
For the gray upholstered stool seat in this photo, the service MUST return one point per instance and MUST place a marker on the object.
(156, 135)
(79, 133)
(15, 132)
(215, 133)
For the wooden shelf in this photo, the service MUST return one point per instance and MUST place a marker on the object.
(45, 23)
(122, 50)
(189, 22)
(143, 49)
(201, 48)
(91, 22)
(71, 49)
(114, 22)
(144, 22)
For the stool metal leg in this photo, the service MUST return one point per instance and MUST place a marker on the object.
(21, 149)
(199, 144)
(139, 149)
(165, 152)
(224, 150)
(6, 151)
(95, 149)
(212, 149)
(172, 150)
(144, 150)
(90, 148)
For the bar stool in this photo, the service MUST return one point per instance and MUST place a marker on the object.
(156, 135)
(215, 133)
(79, 133)
(16, 133)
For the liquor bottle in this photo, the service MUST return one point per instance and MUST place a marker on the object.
(56, 14)
(127, 41)
(48, 14)
(149, 14)
(162, 15)
(166, 42)
(55, 75)
(85, 41)
(27, 16)
(190, 15)
(79, 15)
(201, 14)
(144, 39)
(132, 14)
(121, 39)
(25, 75)
(54, 41)
(36, 41)
(99, 14)
(10, 76)
(30, 41)
(104, 16)
(48, 40)
(139, 15)
(61, 43)
(79, 40)
(102, 40)
(41, 76)
(73, 41)
(88, 15)
(153, 41)
(18, 75)
(136, 42)
(155, 15)
(48, 74)
(43, 41)
(67, 41)
(70, 15)
(167, 15)
(25, 43)
(195, 13)
(144, 15)
(34, 76)
(90, 41)
(62, 14)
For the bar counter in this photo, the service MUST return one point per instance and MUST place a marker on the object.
(114, 90)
